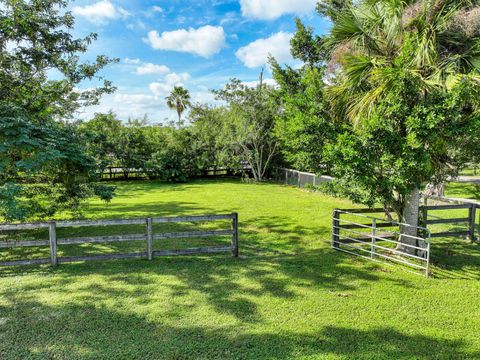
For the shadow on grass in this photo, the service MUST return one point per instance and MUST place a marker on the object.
(455, 258)
(228, 284)
(464, 190)
(80, 331)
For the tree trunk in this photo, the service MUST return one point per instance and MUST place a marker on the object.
(410, 217)
(179, 119)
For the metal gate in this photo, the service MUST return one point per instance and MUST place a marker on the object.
(378, 239)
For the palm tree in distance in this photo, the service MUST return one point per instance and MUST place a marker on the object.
(179, 100)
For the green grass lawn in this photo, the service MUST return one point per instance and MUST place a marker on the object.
(463, 190)
(289, 296)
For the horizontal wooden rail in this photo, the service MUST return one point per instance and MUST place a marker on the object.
(149, 236)
(24, 226)
(450, 233)
(24, 243)
(192, 251)
(101, 239)
(68, 259)
(447, 207)
(81, 223)
(192, 218)
(25, 262)
(184, 235)
(447, 221)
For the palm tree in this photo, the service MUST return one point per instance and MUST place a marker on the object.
(375, 45)
(179, 100)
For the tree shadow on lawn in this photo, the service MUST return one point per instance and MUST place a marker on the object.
(164, 208)
(231, 286)
(31, 329)
(455, 258)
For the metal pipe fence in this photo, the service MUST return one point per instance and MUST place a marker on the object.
(373, 238)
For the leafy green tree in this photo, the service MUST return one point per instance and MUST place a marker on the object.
(305, 125)
(210, 139)
(43, 154)
(250, 123)
(406, 75)
(102, 134)
(179, 100)
(43, 167)
(132, 150)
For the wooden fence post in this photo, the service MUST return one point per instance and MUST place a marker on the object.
(235, 235)
(471, 222)
(335, 229)
(52, 234)
(149, 239)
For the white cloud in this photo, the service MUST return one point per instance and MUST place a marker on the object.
(269, 10)
(157, 9)
(100, 12)
(171, 80)
(174, 78)
(131, 105)
(132, 61)
(270, 82)
(149, 68)
(160, 89)
(204, 41)
(256, 53)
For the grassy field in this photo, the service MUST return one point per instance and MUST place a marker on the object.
(463, 190)
(288, 296)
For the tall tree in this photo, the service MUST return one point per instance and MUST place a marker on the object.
(406, 75)
(178, 100)
(250, 123)
(43, 165)
(305, 125)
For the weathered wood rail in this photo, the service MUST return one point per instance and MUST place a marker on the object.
(53, 242)
(451, 204)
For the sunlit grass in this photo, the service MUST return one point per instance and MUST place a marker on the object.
(288, 295)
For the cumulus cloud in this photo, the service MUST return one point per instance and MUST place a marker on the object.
(174, 78)
(132, 61)
(100, 12)
(253, 84)
(256, 53)
(269, 10)
(204, 41)
(149, 68)
(171, 80)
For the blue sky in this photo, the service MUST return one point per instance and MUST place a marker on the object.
(198, 44)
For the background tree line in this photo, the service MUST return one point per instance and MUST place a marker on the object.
(387, 102)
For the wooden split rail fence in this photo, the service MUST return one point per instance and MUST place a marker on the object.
(148, 237)
(469, 219)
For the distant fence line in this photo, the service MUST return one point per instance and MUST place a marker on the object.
(149, 236)
(299, 178)
(122, 173)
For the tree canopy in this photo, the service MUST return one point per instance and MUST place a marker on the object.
(44, 165)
